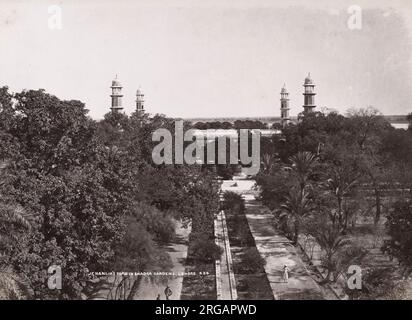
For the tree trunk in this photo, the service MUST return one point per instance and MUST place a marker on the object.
(345, 221)
(327, 278)
(134, 288)
(297, 229)
(378, 206)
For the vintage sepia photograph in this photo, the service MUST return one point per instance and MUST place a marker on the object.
(234, 150)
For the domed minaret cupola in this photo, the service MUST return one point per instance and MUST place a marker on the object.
(140, 103)
(116, 96)
(309, 94)
(284, 106)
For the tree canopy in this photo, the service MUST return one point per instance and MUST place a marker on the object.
(86, 195)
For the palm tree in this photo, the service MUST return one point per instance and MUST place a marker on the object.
(13, 223)
(303, 164)
(267, 162)
(331, 240)
(341, 181)
(297, 205)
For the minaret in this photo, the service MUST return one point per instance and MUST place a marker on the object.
(309, 94)
(140, 103)
(284, 106)
(116, 96)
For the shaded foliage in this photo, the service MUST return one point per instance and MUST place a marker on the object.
(85, 195)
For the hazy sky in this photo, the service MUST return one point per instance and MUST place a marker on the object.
(211, 58)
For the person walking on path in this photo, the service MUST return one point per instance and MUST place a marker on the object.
(168, 292)
(285, 273)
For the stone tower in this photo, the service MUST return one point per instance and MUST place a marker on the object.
(309, 95)
(140, 103)
(116, 96)
(284, 106)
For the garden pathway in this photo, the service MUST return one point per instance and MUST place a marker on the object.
(225, 279)
(177, 251)
(151, 286)
(275, 248)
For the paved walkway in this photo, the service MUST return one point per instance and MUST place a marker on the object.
(225, 279)
(177, 251)
(276, 249)
(151, 286)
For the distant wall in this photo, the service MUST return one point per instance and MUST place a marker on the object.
(393, 119)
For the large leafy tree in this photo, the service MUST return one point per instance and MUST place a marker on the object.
(77, 228)
(52, 134)
(66, 183)
(366, 127)
(399, 226)
(86, 195)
